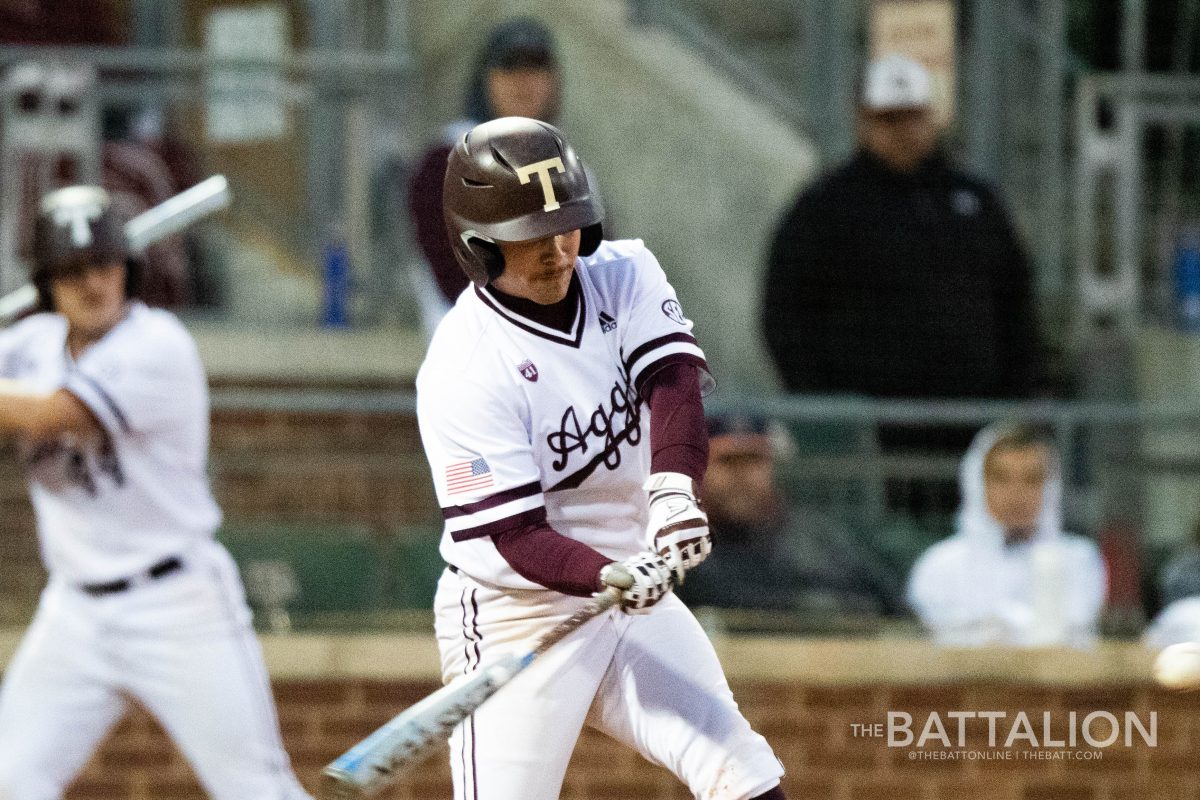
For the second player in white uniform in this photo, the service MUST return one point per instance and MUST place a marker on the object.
(109, 402)
(562, 386)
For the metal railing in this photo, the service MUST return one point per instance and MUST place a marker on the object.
(330, 510)
(314, 62)
(718, 50)
(347, 113)
(1123, 463)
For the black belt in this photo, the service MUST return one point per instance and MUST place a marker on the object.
(453, 569)
(164, 567)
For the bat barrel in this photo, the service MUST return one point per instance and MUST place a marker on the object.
(178, 212)
(15, 303)
(363, 770)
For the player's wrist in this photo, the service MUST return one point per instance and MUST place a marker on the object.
(662, 483)
(677, 528)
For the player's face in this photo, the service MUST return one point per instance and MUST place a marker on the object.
(739, 485)
(525, 92)
(539, 269)
(902, 139)
(92, 299)
(1014, 478)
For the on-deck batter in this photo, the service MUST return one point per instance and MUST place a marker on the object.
(110, 404)
(559, 406)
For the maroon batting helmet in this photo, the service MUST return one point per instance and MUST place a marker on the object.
(78, 227)
(511, 180)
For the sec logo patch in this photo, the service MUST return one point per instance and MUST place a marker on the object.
(673, 311)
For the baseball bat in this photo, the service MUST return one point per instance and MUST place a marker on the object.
(170, 216)
(176, 213)
(369, 766)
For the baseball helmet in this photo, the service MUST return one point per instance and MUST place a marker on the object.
(511, 180)
(78, 227)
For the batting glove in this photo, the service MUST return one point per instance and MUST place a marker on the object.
(678, 529)
(643, 579)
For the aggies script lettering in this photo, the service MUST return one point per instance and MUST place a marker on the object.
(608, 426)
(75, 463)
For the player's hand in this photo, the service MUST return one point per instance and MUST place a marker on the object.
(678, 529)
(643, 579)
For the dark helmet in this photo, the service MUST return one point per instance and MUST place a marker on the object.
(511, 180)
(78, 227)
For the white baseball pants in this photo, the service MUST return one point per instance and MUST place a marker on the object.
(182, 646)
(651, 681)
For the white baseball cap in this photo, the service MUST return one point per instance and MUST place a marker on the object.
(896, 82)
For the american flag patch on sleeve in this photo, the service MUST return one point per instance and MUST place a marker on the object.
(468, 476)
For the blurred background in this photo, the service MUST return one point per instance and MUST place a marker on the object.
(311, 301)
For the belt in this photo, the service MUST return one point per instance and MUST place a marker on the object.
(164, 567)
(454, 569)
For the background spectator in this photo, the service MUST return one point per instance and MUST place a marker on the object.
(1010, 575)
(146, 160)
(138, 179)
(897, 275)
(516, 75)
(1179, 620)
(767, 555)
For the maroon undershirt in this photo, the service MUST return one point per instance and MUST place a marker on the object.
(678, 443)
(560, 316)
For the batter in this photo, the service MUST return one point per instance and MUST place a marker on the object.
(109, 402)
(559, 406)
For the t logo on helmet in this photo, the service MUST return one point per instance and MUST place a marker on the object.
(542, 168)
(78, 215)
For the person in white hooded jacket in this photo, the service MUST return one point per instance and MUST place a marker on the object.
(1010, 575)
(1179, 619)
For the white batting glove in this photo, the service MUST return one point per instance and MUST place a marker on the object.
(678, 529)
(643, 579)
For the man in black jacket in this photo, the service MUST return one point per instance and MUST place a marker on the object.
(897, 275)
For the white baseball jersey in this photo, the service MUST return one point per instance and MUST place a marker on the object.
(114, 506)
(109, 509)
(520, 420)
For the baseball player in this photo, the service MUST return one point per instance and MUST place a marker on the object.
(109, 403)
(559, 406)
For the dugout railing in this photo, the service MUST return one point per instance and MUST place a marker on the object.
(308, 136)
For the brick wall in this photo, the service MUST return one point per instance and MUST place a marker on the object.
(809, 726)
(336, 467)
(295, 467)
(21, 573)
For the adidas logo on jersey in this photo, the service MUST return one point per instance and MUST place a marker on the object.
(607, 323)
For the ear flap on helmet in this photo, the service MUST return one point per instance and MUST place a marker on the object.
(480, 259)
(134, 277)
(489, 255)
(41, 282)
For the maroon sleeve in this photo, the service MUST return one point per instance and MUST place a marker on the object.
(678, 436)
(425, 209)
(543, 555)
